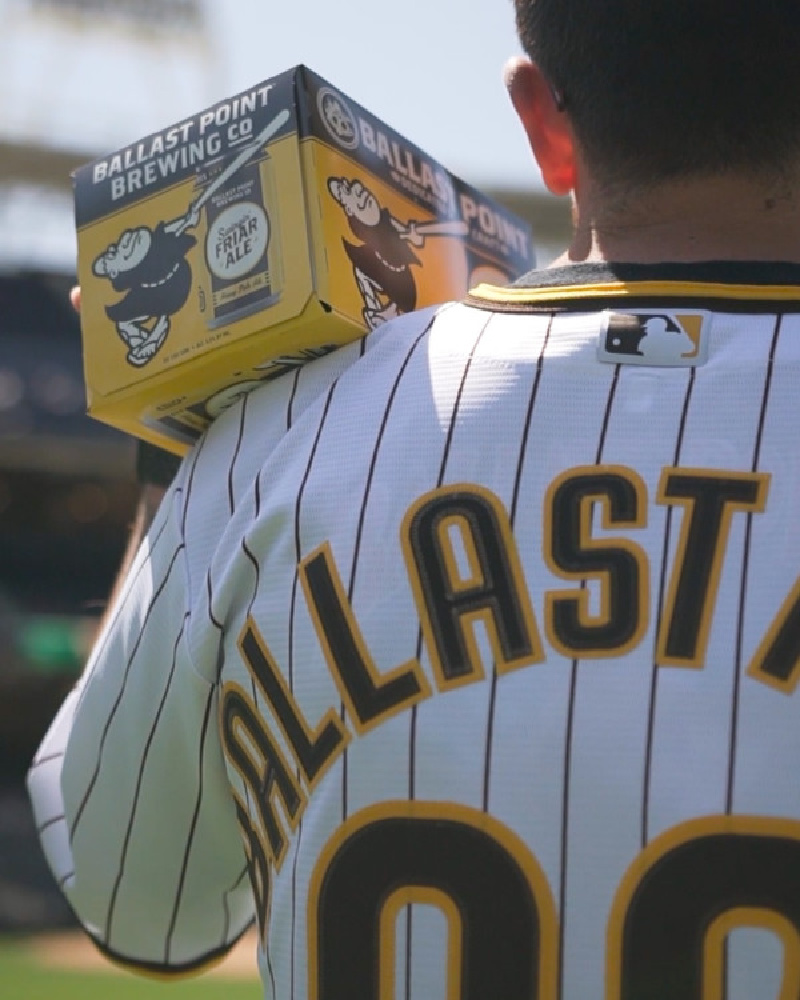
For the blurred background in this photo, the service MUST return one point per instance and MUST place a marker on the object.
(79, 79)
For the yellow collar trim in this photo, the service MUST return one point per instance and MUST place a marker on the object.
(621, 289)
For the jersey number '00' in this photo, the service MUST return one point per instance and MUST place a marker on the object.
(463, 567)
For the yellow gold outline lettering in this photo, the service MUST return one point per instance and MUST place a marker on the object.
(730, 507)
(273, 799)
(422, 895)
(665, 842)
(588, 543)
(484, 823)
(377, 679)
(743, 916)
(756, 666)
(329, 718)
(514, 565)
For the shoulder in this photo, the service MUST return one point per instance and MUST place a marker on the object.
(266, 432)
(303, 386)
(291, 404)
(278, 403)
(280, 406)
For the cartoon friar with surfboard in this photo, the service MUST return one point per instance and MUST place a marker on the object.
(382, 260)
(150, 267)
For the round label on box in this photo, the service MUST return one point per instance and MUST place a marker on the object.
(338, 119)
(237, 240)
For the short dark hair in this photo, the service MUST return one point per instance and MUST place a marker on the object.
(659, 89)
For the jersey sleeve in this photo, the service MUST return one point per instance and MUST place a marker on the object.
(129, 788)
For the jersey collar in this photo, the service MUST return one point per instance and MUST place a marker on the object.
(737, 285)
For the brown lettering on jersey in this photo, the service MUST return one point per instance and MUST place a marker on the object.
(370, 696)
(741, 871)
(710, 498)
(776, 662)
(266, 778)
(502, 927)
(315, 751)
(486, 584)
(618, 565)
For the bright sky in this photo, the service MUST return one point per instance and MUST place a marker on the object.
(431, 69)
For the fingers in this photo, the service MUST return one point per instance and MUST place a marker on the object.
(75, 298)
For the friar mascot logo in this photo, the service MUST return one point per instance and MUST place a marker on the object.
(149, 267)
(383, 256)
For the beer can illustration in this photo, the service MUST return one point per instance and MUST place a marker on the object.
(239, 202)
(240, 234)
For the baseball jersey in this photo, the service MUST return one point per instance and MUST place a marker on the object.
(463, 661)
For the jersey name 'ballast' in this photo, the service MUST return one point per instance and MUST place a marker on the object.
(463, 568)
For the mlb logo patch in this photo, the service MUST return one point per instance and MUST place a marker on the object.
(654, 337)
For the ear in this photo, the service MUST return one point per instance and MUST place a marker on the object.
(547, 127)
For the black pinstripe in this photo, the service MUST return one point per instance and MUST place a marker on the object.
(290, 677)
(187, 493)
(41, 761)
(290, 639)
(236, 450)
(439, 481)
(257, 576)
(50, 822)
(218, 625)
(210, 606)
(292, 395)
(192, 827)
(101, 646)
(737, 675)
(573, 684)
(374, 457)
(250, 556)
(521, 457)
(118, 700)
(226, 927)
(365, 498)
(662, 583)
(413, 720)
(138, 787)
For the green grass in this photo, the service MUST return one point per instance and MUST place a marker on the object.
(23, 977)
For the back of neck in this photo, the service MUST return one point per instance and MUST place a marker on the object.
(716, 218)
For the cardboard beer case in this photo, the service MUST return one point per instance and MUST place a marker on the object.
(259, 234)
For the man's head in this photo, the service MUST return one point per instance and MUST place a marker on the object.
(357, 201)
(656, 90)
(127, 253)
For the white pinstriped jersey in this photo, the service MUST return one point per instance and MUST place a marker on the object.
(464, 660)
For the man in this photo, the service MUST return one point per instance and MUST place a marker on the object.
(464, 658)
